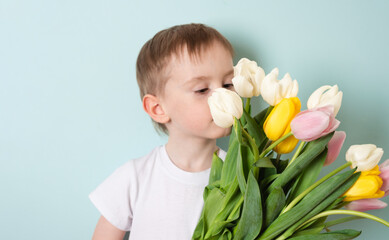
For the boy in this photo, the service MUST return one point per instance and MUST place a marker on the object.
(159, 196)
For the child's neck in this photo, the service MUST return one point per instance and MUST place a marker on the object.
(191, 155)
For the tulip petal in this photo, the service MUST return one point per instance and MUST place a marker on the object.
(284, 84)
(384, 168)
(366, 204)
(222, 119)
(371, 161)
(224, 106)
(365, 156)
(334, 147)
(326, 95)
(279, 119)
(247, 78)
(384, 165)
(308, 124)
(258, 78)
(332, 126)
(273, 90)
(269, 87)
(241, 87)
(314, 99)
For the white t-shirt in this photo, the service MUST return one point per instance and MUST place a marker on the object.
(153, 198)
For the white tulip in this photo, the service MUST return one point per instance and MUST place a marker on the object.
(225, 105)
(248, 78)
(273, 90)
(326, 95)
(365, 157)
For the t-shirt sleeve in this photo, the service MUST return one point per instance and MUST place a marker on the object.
(114, 197)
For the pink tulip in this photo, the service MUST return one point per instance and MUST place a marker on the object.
(384, 175)
(334, 146)
(363, 205)
(315, 123)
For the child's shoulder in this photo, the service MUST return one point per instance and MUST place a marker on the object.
(131, 174)
(143, 163)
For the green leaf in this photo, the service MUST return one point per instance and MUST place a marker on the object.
(260, 118)
(224, 218)
(313, 224)
(330, 200)
(254, 129)
(250, 222)
(308, 176)
(240, 171)
(227, 235)
(335, 235)
(229, 166)
(232, 138)
(313, 230)
(280, 164)
(266, 181)
(199, 229)
(209, 187)
(275, 202)
(216, 169)
(211, 208)
(321, 195)
(312, 150)
(245, 161)
(264, 162)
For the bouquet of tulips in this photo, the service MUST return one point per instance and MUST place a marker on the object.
(255, 194)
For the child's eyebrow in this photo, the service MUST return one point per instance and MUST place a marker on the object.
(195, 80)
(229, 73)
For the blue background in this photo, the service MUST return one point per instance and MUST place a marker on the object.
(70, 111)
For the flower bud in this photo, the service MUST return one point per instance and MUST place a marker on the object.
(278, 121)
(372, 203)
(225, 105)
(277, 124)
(326, 95)
(365, 157)
(273, 90)
(363, 205)
(367, 186)
(248, 78)
(287, 145)
(313, 124)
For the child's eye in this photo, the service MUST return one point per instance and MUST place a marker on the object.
(204, 90)
(228, 85)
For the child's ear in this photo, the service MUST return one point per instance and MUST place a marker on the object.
(153, 107)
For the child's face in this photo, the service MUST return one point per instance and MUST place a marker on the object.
(191, 81)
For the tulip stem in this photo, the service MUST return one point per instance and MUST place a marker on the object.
(297, 153)
(286, 234)
(236, 207)
(250, 140)
(247, 107)
(347, 212)
(340, 220)
(299, 197)
(275, 143)
(267, 144)
(252, 144)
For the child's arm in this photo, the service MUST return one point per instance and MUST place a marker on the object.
(106, 231)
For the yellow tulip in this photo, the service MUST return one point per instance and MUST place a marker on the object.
(277, 124)
(367, 186)
(287, 145)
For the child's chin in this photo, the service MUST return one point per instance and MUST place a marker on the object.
(224, 132)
